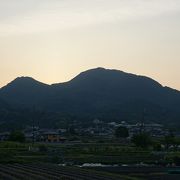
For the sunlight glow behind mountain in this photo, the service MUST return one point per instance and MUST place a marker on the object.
(54, 40)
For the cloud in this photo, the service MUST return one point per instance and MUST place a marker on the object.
(30, 16)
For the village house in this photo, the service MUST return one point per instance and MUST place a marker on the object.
(52, 136)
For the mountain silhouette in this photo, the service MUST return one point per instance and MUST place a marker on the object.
(24, 91)
(104, 93)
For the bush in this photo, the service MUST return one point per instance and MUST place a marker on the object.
(17, 136)
(157, 146)
(43, 148)
(122, 132)
(142, 140)
(176, 160)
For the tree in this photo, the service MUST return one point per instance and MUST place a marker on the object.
(176, 160)
(121, 132)
(43, 148)
(156, 146)
(142, 140)
(169, 140)
(72, 131)
(17, 136)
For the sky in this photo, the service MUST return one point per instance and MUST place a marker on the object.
(54, 40)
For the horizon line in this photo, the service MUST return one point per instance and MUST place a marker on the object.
(50, 84)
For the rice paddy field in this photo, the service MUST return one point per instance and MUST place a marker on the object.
(65, 161)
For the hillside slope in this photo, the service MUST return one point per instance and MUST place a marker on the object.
(104, 93)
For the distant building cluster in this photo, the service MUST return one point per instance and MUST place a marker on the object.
(39, 135)
(98, 128)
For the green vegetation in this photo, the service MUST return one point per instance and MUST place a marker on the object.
(94, 150)
(142, 140)
(121, 132)
(104, 152)
(17, 136)
(97, 93)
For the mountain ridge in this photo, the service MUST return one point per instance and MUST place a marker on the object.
(105, 93)
(22, 78)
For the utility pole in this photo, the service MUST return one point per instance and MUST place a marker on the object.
(142, 120)
(33, 115)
